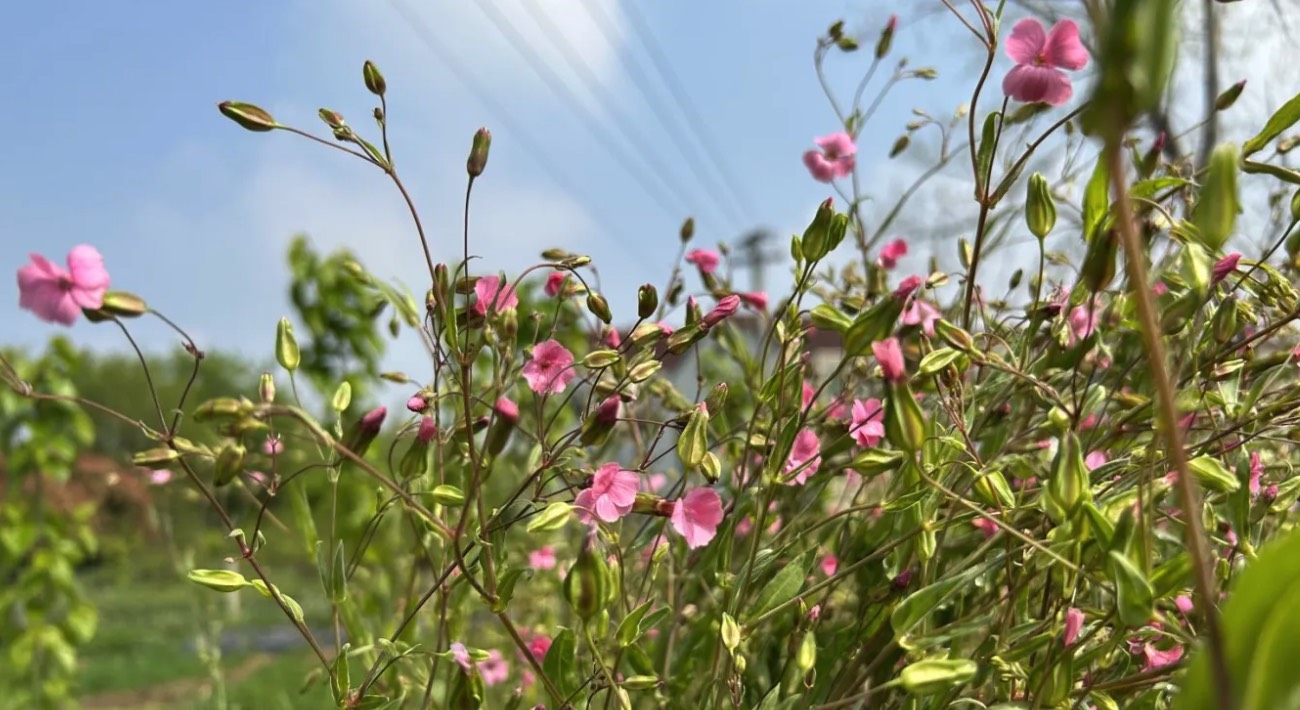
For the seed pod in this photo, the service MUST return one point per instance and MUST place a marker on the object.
(587, 585)
(1040, 209)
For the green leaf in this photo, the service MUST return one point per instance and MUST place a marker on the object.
(828, 317)
(1281, 120)
(221, 580)
(1277, 171)
(1260, 616)
(920, 604)
(506, 586)
(984, 156)
(1096, 199)
(553, 517)
(339, 680)
(630, 628)
(784, 586)
(1213, 474)
(1217, 205)
(937, 360)
(935, 675)
(560, 663)
(1134, 597)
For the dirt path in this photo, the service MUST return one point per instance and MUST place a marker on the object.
(171, 693)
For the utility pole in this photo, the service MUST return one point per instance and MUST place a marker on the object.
(756, 257)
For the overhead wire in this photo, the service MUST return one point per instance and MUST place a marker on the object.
(539, 66)
(736, 204)
(425, 34)
(693, 117)
(593, 83)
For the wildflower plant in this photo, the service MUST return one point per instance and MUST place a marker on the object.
(1074, 495)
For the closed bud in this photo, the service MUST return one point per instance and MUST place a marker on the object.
(599, 307)
(123, 304)
(230, 461)
(1099, 261)
(1229, 97)
(1040, 208)
(816, 238)
(886, 37)
(925, 73)
(847, 44)
(647, 300)
(554, 254)
(688, 230)
(1016, 279)
(478, 152)
(286, 346)
(333, 119)
(587, 585)
(1068, 485)
(374, 80)
(266, 388)
(717, 398)
(248, 116)
(365, 430)
(503, 423)
(1295, 206)
(597, 427)
(222, 408)
(900, 145)
(415, 461)
(693, 442)
(904, 420)
(1225, 320)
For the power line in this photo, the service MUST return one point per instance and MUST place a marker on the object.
(426, 37)
(580, 66)
(540, 67)
(641, 79)
(693, 118)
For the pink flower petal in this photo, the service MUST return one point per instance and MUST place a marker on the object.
(1030, 84)
(1063, 48)
(1026, 41)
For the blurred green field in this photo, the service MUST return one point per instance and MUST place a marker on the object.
(146, 655)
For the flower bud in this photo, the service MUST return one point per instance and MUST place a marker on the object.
(266, 388)
(1040, 209)
(503, 423)
(900, 145)
(230, 461)
(374, 80)
(332, 118)
(717, 398)
(816, 238)
(597, 427)
(688, 230)
(478, 152)
(647, 300)
(248, 116)
(123, 304)
(415, 461)
(365, 430)
(1068, 485)
(1099, 261)
(1229, 97)
(428, 429)
(286, 346)
(1225, 320)
(599, 307)
(693, 442)
(587, 585)
(417, 403)
(904, 420)
(725, 308)
(886, 37)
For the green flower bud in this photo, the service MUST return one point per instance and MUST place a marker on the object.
(1229, 97)
(687, 230)
(266, 388)
(286, 346)
(816, 238)
(1099, 261)
(374, 80)
(587, 585)
(248, 116)
(599, 307)
(1040, 209)
(478, 152)
(647, 300)
(230, 461)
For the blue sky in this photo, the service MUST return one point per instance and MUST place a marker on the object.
(113, 139)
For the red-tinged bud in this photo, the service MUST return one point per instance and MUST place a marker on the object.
(886, 37)
(373, 420)
(363, 433)
(478, 152)
(248, 116)
(693, 311)
(417, 403)
(507, 416)
(506, 409)
(1229, 97)
(725, 308)
(428, 429)
(333, 119)
(597, 427)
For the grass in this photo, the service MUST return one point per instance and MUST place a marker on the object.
(145, 653)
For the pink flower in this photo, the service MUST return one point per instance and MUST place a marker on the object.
(891, 253)
(868, 426)
(809, 392)
(907, 287)
(611, 495)
(1223, 267)
(920, 313)
(550, 369)
(417, 404)
(1160, 288)
(57, 296)
(542, 558)
(1159, 659)
(834, 160)
(815, 612)
(554, 283)
(696, 516)
(1073, 625)
(755, 299)
(506, 409)
(890, 356)
(1040, 56)
(986, 526)
(160, 477)
(1184, 603)
(460, 655)
(725, 308)
(806, 450)
(653, 482)
(612, 338)
(272, 446)
(706, 260)
(1083, 320)
(428, 429)
(538, 646)
(829, 564)
(1095, 459)
(491, 292)
(1256, 470)
(495, 669)
(373, 420)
